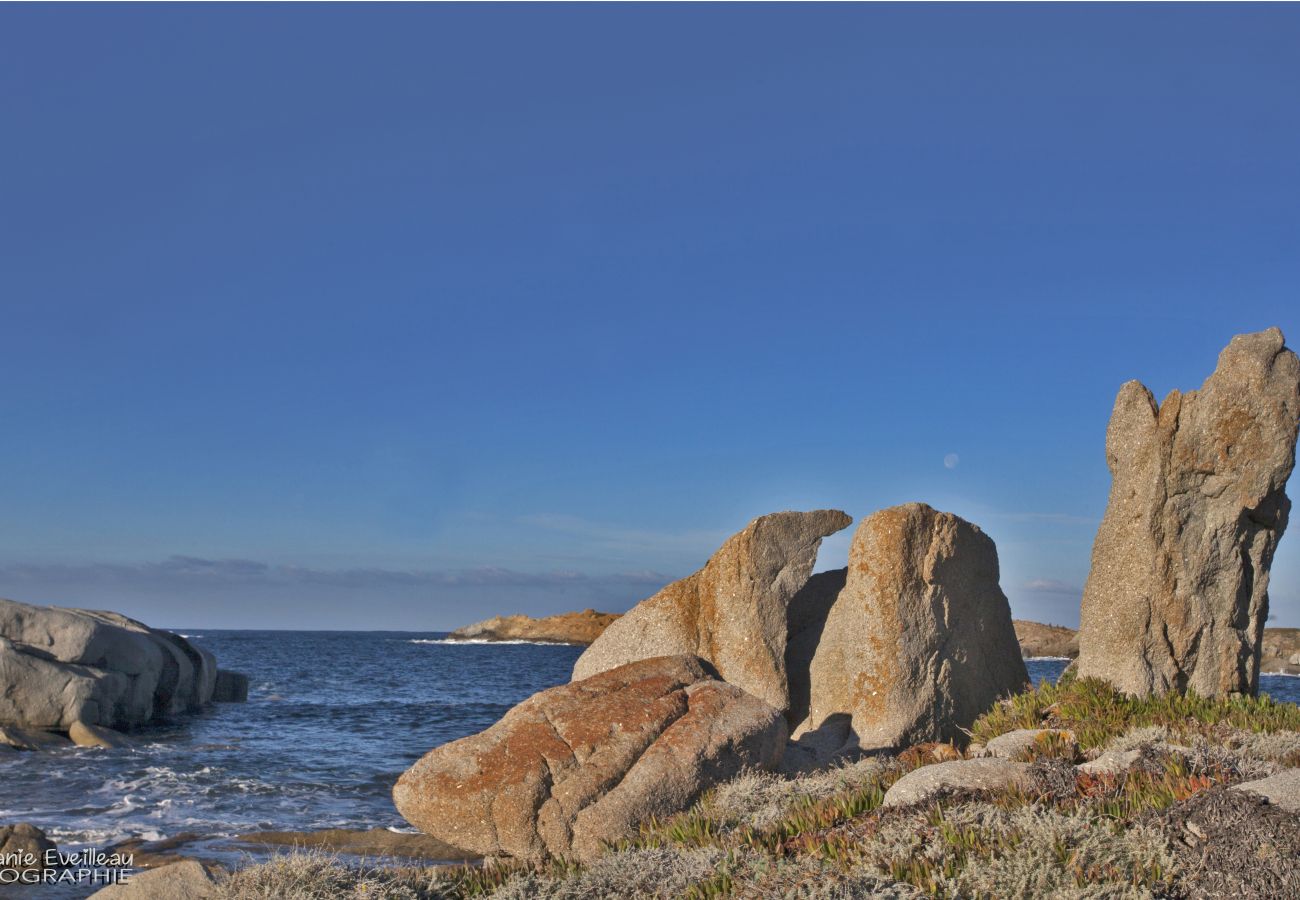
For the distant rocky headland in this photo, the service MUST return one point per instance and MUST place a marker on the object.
(566, 628)
(1279, 653)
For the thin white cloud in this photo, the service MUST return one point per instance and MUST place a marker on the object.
(1051, 586)
(194, 571)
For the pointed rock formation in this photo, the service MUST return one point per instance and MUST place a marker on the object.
(732, 612)
(585, 763)
(1178, 592)
(919, 641)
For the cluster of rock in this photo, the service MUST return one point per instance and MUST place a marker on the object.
(714, 673)
(89, 674)
(1177, 595)
(565, 628)
(907, 645)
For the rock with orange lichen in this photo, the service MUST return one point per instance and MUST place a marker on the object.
(1177, 595)
(565, 628)
(583, 764)
(732, 612)
(918, 642)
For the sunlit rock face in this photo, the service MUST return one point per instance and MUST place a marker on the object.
(1178, 592)
(919, 640)
(579, 766)
(732, 613)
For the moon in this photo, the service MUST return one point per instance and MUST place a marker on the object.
(950, 461)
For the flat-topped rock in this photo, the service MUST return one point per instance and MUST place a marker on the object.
(1177, 595)
(566, 628)
(731, 613)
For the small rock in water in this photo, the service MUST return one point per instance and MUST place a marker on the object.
(230, 687)
(31, 738)
(25, 843)
(84, 735)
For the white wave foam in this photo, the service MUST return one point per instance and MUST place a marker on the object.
(1048, 658)
(455, 641)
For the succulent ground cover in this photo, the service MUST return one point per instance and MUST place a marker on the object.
(1166, 825)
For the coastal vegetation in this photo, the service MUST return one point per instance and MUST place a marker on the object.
(1165, 823)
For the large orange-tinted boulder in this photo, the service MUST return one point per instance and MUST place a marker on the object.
(1177, 595)
(732, 612)
(583, 764)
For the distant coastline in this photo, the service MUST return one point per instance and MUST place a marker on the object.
(1279, 653)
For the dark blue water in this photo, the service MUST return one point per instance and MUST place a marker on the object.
(332, 720)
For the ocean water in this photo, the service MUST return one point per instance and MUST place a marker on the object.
(332, 719)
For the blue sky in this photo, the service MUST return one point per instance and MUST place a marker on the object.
(400, 317)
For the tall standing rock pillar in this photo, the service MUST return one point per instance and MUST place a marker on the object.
(1177, 595)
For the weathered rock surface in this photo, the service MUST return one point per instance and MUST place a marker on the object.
(59, 666)
(1178, 592)
(1039, 640)
(230, 687)
(1111, 762)
(189, 879)
(587, 762)
(960, 775)
(565, 628)
(732, 612)
(1282, 790)
(25, 845)
(1020, 743)
(918, 643)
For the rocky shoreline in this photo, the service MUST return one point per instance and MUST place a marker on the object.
(1279, 654)
(754, 729)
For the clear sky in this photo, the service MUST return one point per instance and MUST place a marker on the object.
(400, 317)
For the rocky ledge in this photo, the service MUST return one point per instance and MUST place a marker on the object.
(566, 628)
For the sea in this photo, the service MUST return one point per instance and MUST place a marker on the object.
(331, 720)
